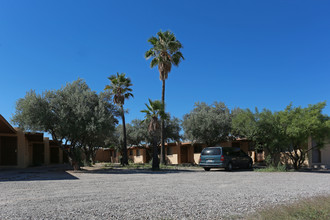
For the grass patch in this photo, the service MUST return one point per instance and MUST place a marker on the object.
(317, 208)
(278, 168)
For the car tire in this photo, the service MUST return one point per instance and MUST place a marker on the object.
(229, 166)
(207, 168)
(250, 166)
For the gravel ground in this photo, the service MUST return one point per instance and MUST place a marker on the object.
(142, 194)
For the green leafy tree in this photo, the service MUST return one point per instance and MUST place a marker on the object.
(67, 114)
(209, 124)
(120, 87)
(154, 113)
(165, 52)
(284, 131)
(138, 135)
(263, 129)
(100, 133)
(297, 125)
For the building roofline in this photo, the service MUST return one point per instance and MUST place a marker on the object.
(7, 124)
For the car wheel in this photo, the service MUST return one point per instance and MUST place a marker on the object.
(207, 169)
(229, 167)
(250, 165)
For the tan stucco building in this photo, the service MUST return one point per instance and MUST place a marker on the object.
(20, 149)
(319, 158)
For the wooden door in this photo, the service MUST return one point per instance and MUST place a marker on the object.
(38, 156)
(184, 155)
(54, 155)
(8, 151)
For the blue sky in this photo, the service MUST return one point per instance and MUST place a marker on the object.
(247, 54)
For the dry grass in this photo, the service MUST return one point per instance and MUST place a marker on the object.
(317, 208)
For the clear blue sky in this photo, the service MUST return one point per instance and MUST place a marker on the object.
(247, 54)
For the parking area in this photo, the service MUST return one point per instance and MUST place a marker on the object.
(143, 194)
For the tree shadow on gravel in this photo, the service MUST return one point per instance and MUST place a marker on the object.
(56, 172)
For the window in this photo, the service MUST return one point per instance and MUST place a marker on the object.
(169, 150)
(242, 153)
(236, 144)
(131, 152)
(198, 149)
(236, 152)
(137, 152)
(251, 146)
(211, 151)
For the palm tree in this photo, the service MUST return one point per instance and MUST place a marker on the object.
(120, 89)
(165, 52)
(154, 113)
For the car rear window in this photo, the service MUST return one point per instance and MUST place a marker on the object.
(211, 151)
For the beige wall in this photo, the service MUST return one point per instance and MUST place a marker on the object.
(25, 150)
(325, 155)
(102, 155)
(22, 151)
(174, 157)
(141, 158)
(196, 158)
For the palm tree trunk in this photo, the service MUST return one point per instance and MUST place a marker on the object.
(124, 159)
(162, 136)
(155, 162)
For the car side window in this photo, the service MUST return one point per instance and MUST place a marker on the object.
(225, 151)
(242, 153)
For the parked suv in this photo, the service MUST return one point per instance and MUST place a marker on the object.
(224, 157)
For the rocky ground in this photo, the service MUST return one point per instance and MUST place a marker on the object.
(143, 194)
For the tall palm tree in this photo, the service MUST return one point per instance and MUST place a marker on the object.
(120, 89)
(165, 52)
(154, 113)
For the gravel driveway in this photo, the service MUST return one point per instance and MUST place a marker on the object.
(141, 194)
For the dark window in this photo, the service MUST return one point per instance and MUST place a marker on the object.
(198, 149)
(137, 152)
(211, 151)
(131, 152)
(54, 155)
(236, 152)
(242, 153)
(227, 151)
(169, 150)
(236, 144)
(251, 146)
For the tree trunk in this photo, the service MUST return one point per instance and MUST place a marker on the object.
(75, 158)
(162, 135)
(155, 162)
(87, 157)
(124, 159)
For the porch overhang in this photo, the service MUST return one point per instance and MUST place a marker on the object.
(35, 137)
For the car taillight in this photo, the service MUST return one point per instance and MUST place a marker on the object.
(200, 159)
(222, 158)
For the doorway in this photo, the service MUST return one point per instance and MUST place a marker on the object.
(8, 151)
(184, 154)
(38, 156)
